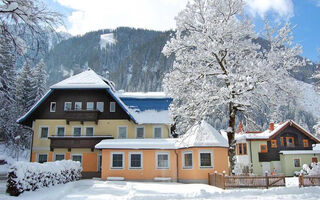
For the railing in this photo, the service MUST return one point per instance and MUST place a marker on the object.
(264, 157)
(223, 181)
(305, 181)
(82, 115)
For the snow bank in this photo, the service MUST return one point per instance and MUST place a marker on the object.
(25, 176)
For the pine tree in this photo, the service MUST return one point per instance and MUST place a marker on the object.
(40, 80)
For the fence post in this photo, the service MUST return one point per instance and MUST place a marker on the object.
(301, 181)
(267, 180)
(223, 180)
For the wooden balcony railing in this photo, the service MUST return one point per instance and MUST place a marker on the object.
(82, 115)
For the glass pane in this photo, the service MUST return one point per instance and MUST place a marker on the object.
(60, 131)
(53, 107)
(296, 162)
(77, 131)
(163, 161)
(140, 132)
(112, 106)
(188, 160)
(60, 157)
(44, 132)
(77, 158)
(135, 160)
(89, 131)
(67, 106)
(157, 132)
(117, 160)
(78, 106)
(122, 132)
(89, 105)
(205, 159)
(245, 148)
(100, 106)
(42, 158)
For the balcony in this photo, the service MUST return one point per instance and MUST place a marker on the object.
(82, 115)
(267, 157)
(69, 142)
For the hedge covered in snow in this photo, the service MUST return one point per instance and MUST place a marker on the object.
(26, 176)
(313, 170)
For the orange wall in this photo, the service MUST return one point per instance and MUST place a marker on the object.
(89, 162)
(34, 157)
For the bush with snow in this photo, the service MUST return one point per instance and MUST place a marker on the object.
(313, 170)
(25, 176)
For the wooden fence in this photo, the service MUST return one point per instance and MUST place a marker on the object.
(223, 181)
(305, 181)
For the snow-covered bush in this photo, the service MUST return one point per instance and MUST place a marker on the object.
(25, 176)
(313, 170)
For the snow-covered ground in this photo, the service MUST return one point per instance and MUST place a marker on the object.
(96, 189)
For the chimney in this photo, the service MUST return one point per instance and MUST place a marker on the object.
(271, 126)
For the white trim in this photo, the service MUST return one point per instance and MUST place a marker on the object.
(118, 131)
(77, 154)
(141, 160)
(299, 162)
(205, 151)
(89, 102)
(51, 103)
(76, 127)
(112, 103)
(78, 102)
(55, 155)
(111, 160)
(162, 153)
(39, 132)
(85, 130)
(99, 102)
(64, 108)
(38, 154)
(154, 127)
(64, 133)
(136, 132)
(183, 163)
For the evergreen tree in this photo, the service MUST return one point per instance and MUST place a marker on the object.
(40, 80)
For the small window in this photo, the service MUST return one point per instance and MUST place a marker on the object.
(314, 159)
(273, 143)
(42, 158)
(100, 106)
(296, 162)
(206, 159)
(53, 106)
(242, 149)
(122, 132)
(282, 141)
(290, 141)
(263, 148)
(59, 156)
(89, 131)
(78, 105)
(112, 106)
(90, 105)
(162, 160)
(117, 160)
(77, 131)
(44, 132)
(77, 158)
(67, 106)
(187, 160)
(305, 143)
(140, 132)
(135, 160)
(60, 131)
(157, 132)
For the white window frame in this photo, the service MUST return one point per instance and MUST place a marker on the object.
(162, 153)
(299, 162)
(212, 162)
(154, 132)
(71, 157)
(144, 130)
(101, 103)
(111, 160)
(55, 156)
(90, 102)
(65, 105)
(40, 128)
(76, 127)
(75, 105)
(141, 160)
(119, 131)
(112, 103)
(57, 127)
(85, 130)
(183, 160)
(51, 103)
(42, 154)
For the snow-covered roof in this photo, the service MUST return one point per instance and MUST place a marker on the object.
(137, 144)
(87, 79)
(300, 152)
(142, 95)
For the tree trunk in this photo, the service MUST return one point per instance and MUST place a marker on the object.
(231, 133)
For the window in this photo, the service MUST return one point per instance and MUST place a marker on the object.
(44, 132)
(157, 132)
(263, 148)
(112, 106)
(242, 149)
(273, 143)
(77, 158)
(42, 158)
(187, 160)
(122, 132)
(67, 106)
(99, 163)
(117, 160)
(53, 106)
(296, 162)
(162, 160)
(282, 141)
(76, 131)
(100, 106)
(59, 156)
(205, 159)
(89, 131)
(60, 131)
(78, 105)
(140, 132)
(314, 159)
(290, 141)
(90, 105)
(135, 161)
(305, 143)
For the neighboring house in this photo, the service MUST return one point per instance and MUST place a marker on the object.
(80, 111)
(282, 149)
(200, 151)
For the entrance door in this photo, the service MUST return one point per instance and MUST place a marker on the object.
(314, 159)
(265, 167)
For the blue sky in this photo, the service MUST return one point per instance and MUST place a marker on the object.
(84, 15)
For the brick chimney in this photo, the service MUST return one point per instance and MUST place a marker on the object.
(271, 126)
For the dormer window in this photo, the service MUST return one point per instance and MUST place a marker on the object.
(112, 106)
(78, 105)
(53, 106)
